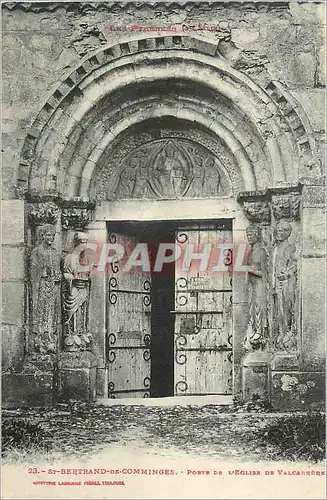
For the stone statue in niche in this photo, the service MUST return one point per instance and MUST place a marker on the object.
(257, 331)
(45, 278)
(76, 269)
(284, 280)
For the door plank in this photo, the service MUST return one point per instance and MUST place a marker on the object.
(203, 318)
(128, 326)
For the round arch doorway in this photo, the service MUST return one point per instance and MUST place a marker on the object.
(169, 332)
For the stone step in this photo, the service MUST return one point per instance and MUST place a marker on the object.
(169, 401)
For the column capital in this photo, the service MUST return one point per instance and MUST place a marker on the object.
(255, 206)
(40, 213)
(76, 212)
(286, 206)
(75, 218)
(283, 202)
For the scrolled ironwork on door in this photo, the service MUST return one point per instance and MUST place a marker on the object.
(112, 294)
(180, 343)
(147, 339)
(147, 293)
(128, 342)
(194, 316)
(181, 387)
(181, 237)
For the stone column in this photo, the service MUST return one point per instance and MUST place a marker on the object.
(286, 278)
(313, 276)
(79, 356)
(97, 231)
(240, 302)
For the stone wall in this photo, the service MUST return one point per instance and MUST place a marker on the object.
(43, 43)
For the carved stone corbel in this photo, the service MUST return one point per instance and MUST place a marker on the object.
(43, 213)
(286, 206)
(75, 218)
(255, 206)
(223, 31)
(257, 211)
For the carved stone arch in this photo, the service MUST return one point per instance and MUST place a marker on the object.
(56, 134)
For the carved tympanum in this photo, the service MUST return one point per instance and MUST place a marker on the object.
(284, 280)
(43, 213)
(168, 168)
(45, 280)
(286, 206)
(75, 295)
(257, 331)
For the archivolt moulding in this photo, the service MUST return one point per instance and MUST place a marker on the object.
(61, 121)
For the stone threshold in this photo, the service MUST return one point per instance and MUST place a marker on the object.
(169, 401)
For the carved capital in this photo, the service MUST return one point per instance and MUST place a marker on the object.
(286, 206)
(75, 218)
(257, 211)
(43, 213)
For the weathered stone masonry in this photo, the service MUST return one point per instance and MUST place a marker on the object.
(81, 102)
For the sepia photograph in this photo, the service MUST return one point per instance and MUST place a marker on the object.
(163, 250)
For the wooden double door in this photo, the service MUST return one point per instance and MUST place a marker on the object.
(169, 330)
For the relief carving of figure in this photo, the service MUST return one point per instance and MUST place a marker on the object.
(45, 278)
(284, 288)
(211, 180)
(132, 181)
(257, 331)
(75, 295)
(127, 181)
(170, 174)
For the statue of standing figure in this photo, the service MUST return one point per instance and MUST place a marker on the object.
(75, 295)
(284, 288)
(257, 331)
(45, 278)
